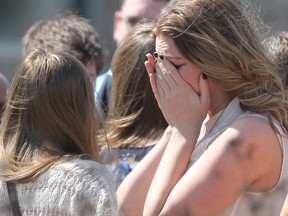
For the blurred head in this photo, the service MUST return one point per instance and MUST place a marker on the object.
(277, 46)
(50, 112)
(134, 111)
(131, 12)
(69, 33)
(4, 84)
(222, 41)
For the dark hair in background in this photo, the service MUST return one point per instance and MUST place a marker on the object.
(69, 33)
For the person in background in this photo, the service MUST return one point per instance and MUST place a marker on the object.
(72, 34)
(4, 85)
(135, 122)
(277, 47)
(48, 143)
(225, 150)
(130, 13)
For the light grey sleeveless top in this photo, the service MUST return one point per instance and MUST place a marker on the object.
(249, 204)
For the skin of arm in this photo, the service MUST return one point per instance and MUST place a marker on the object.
(174, 162)
(171, 168)
(132, 192)
(246, 157)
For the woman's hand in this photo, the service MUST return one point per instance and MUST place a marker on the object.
(180, 104)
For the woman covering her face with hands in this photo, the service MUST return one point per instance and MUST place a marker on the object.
(224, 152)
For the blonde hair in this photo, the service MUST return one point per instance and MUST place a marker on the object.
(277, 48)
(49, 116)
(224, 42)
(134, 114)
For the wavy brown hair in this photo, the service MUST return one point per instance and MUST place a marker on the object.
(70, 33)
(223, 39)
(49, 116)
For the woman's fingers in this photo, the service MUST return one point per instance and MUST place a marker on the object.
(150, 67)
(168, 72)
(171, 73)
(162, 84)
(150, 64)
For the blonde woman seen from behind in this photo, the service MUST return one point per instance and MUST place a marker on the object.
(48, 146)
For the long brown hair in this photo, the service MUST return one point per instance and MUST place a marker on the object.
(134, 114)
(49, 116)
(224, 41)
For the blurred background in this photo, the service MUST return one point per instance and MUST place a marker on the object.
(16, 16)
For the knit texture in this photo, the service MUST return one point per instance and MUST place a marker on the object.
(78, 187)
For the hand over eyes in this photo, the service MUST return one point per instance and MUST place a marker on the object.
(180, 104)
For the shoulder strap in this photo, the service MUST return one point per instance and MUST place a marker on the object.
(13, 198)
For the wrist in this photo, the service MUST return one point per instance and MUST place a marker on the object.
(188, 135)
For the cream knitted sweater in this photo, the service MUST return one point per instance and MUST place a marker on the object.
(78, 187)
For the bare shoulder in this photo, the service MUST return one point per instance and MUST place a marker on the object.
(252, 142)
(248, 133)
(253, 134)
(251, 124)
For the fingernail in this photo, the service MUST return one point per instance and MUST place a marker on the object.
(161, 57)
(204, 76)
(155, 54)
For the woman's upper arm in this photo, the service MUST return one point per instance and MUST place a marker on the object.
(132, 192)
(243, 158)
